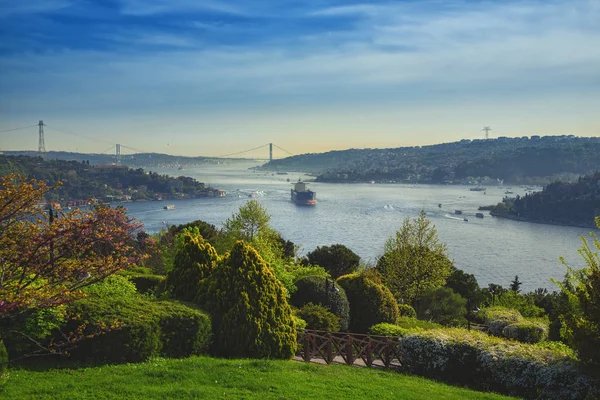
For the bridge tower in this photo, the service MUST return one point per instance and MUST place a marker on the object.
(118, 154)
(41, 144)
(270, 151)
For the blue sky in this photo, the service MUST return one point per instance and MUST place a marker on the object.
(211, 77)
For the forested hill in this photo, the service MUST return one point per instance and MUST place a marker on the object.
(514, 160)
(560, 203)
(82, 181)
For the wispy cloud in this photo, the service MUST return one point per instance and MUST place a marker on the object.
(152, 7)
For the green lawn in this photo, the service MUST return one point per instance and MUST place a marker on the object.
(209, 378)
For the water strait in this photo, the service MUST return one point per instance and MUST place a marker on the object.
(364, 216)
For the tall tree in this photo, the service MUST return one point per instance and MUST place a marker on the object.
(581, 321)
(414, 261)
(515, 284)
(47, 258)
(337, 259)
(248, 306)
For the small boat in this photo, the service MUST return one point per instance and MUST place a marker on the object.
(457, 212)
(440, 205)
(169, 207)
(508, 192)
(479, 215)
(477, 189)
(466, 220)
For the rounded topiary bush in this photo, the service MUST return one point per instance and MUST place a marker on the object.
(526, 331)
(147, 283)
(497, 318)
(136, 329)
(193, 263)
(406, 310)
(318, 318)
(392, 330)
(311, 289)
(250, 314)
(370, 303)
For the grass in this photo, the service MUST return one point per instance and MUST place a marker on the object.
(210, 378)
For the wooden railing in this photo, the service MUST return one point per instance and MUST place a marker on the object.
(349, 348)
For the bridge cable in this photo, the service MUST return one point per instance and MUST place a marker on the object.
(291, 154)
(78, 135)
(240, 152)
(16, 129)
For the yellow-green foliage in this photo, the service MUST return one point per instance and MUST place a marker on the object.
(485, 362)
(194, 261)
(370, 303)
(497, 318)
(526, 331)
(251, 316)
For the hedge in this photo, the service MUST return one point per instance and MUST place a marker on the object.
(148, 283)
(144, 329)
(526, 331)
(317, 317)
(492, 364)
(497, 318)
(370, 302)
(3, 361)
(311, 289)
(406, 310)
(392, 330)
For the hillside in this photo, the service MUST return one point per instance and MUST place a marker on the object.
(524, 160)
(82, 181)
(559, 203)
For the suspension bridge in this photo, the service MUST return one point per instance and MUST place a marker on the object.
(116, 148)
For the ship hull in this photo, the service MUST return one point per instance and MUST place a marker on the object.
(307, 198)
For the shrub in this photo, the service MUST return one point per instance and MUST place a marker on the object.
(443, 306)
(114, 286)
(370, 303)
(523, 303)
(493, 364)
(250, 313)
(317, 317)
(497, 318)
(185, 331)
(145, 283)
(337, 259)
(526, 331)
(299, 322)
(413, 323)
(144, 329)
(406, 310)
(312, 290)
(386, 329)
(194, 261)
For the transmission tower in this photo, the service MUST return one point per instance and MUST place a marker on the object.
(487, 130)
(41, 144)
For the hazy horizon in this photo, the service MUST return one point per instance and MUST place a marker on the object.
(213, 77)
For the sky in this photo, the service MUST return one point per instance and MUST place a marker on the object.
(193, 77)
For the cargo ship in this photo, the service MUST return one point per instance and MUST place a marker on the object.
(303, 196)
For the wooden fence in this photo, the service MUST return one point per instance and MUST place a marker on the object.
(349, 348)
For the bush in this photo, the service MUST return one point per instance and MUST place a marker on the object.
(337, 259)
(370, 303)
(406, 310)
(317, 317)
(443, 306)
(250, 313)
(385, 329)
(194, 261)
(526, 331)
(497, 318)
(413, 323)
(312, 290)
(141, 329)
(145, 283)
(114, 286)
(492, 364)
(299, 322)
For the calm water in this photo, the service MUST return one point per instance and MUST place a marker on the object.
(363, 216)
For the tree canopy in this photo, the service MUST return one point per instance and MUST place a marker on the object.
(337, 259)
(414, 261)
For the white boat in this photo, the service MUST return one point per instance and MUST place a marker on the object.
(169, 207)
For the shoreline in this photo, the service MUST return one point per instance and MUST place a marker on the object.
(533, 221)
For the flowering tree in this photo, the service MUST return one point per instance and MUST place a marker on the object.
(46, 258)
